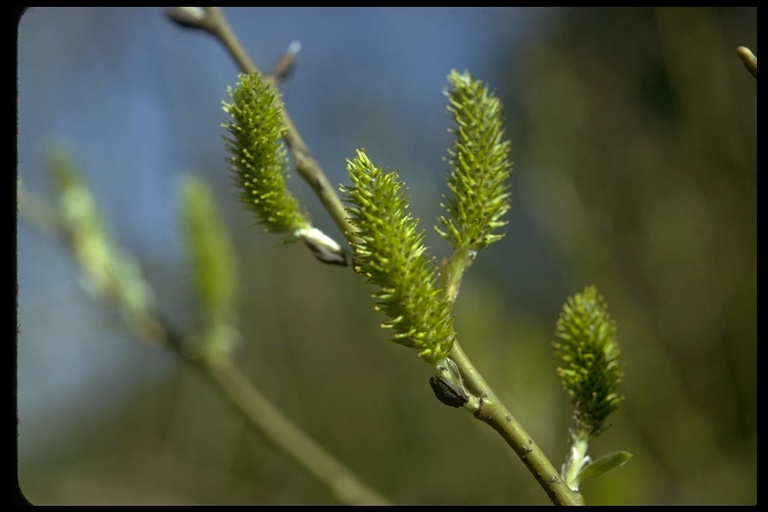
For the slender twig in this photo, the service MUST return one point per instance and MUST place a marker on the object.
(284, 66)
(248, 401)
(493, 412)
(262, 414)
(216, 24)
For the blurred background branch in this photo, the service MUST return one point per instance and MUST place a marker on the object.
(113, 289)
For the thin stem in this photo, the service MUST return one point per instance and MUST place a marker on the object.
(460, 261)
(495, 414)
(308, 168)
(284, 66)
(216, 24)
(250, 402)
(262, 414)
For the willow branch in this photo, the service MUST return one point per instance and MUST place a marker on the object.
(493, 412)
(268, 419)
(247, 400)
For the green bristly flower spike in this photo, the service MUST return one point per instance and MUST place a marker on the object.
(479, 159)
(591, 374)
(258, 160)
(590, 371)
(258, 164)
(390, 253)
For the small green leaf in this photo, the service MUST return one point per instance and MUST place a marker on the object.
(604, 464)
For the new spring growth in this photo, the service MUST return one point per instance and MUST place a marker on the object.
(258, 165)
(214, 269)
(390, 254)
(449, 388)
(590, 373)
(589, 353)
(479, 159)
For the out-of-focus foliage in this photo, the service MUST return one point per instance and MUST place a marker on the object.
(213, 269)
(638, 133)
